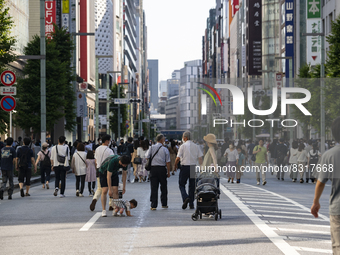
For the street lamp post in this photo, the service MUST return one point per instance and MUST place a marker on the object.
(289, 84)
(97, 96)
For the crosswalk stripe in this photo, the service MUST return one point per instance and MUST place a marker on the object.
(303, 230)
(295, 223)
(312, 250)
(263, 199)
(90, 223)
(295, 213)
(266, 203)
(306, 239)
(289, 217)
(272, 235)
(275, 207)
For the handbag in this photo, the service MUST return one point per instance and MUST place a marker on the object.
(62, 159)
(137, 160)
(253, 157)
(149, 160)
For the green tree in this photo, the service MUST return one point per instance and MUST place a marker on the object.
(59, 91)
(7, 43)
(123, 111)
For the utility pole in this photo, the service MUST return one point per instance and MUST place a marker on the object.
(42, 72)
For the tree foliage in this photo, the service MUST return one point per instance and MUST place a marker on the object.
(123, 112)
(7, 43)
(59, 91)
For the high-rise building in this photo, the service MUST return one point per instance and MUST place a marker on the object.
(153, 83)
(173, 84)
(188, 94)
(162, 90)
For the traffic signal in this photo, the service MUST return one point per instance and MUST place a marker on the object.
(133, 100)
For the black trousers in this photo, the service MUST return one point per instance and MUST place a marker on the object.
(80, 179)
(7, 175)
(43, 171)
(89, 185)
(184, 176)
(60, 176)
(158, 176)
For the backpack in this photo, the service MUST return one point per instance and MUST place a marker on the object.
(280, 155)
(125, 151)
(47, 161)
(314, 158)
(23, 158)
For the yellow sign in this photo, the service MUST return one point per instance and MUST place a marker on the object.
(66, 6)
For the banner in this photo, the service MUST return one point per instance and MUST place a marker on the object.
(289, 6)
(314, 25)
(65, 22)
(50, 17)
(81, 105)
(254, 37)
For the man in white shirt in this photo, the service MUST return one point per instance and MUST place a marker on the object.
(189, 153)
(101, 153)
(63, 153)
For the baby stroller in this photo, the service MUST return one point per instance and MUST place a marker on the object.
(207, 194)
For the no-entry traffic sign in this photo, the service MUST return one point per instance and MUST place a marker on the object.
(8, 103)
(8, 78)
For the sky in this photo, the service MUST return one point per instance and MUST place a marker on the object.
(175, 30)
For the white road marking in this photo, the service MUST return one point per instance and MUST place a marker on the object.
(306, 239)
(134, 233)
(263, 199)
(302, 224)
(275, 207)
(303, 230)
(289, 217)
(272, 235)
(289, 200)
(283, 212)
(312, 250)
(90, 223)
(264, 203)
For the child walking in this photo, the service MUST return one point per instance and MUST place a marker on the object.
(90, 172)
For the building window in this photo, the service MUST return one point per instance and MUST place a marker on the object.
(102, 108)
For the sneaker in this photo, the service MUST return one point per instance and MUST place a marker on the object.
(93, 204)
(1, 194)
(47, 186)
(192, 207)
(153, 209)
(302, 181)
(307, 180)
(62, 196)
(10, 197)
(294, 180)
(282, 179)
(165, 207)
(104, 213)
(110, 208)
(28, 195)
(118, 214)
(77, 193)
(278, 178)
(185, 203)
(81, 195)
(22, 193)
(264, 183)
(258, 183)
(55, 192)
(114, 213)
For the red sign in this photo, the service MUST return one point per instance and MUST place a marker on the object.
(8, 78)
(8, 103)
(279, 80)
(236, 6)
(50, 17)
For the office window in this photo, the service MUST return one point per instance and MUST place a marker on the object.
(102, 108)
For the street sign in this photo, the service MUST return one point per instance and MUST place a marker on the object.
(279, 80)
(83, 86)
(8, 91)
(8, 78)
(8, 103)
(121, 100)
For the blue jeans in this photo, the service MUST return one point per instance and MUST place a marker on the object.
(7, 175)
(184, 175)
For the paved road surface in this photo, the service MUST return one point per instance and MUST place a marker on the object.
(271, 219)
